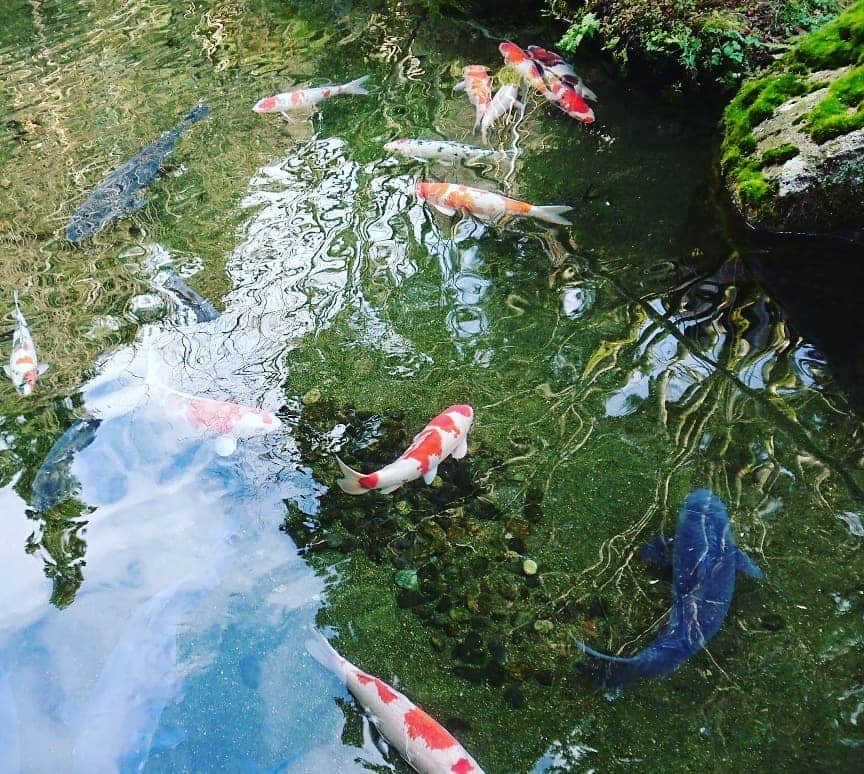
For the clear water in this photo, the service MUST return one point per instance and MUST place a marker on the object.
(155, 620)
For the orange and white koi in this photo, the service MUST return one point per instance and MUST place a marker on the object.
(305, 98)
(24, 368)
(504, 101)
(568, 99)
(446, 435)
(477, 84)
(525, 66)
(421, 740)
(229, 421)
(450, 199)
(554, 64)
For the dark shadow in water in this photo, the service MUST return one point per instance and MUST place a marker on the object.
(817, 281)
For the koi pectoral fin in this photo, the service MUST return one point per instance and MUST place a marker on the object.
(429, 475)
(390, 489)
(658, 551)
(43, 367)
(461, 449)
(7, 371)
(443, 208)
(745, 564)
(225, 445)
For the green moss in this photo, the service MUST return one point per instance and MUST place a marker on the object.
(841, 111)
(754, 189)
(838, 44)
(779, 155)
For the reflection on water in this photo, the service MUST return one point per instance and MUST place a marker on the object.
(152, 616)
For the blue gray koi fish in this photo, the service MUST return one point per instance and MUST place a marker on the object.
(120, 193)
(704, 561)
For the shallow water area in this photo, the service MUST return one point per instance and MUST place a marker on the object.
(159, 584)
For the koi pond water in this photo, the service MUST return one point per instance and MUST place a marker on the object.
(159, 584)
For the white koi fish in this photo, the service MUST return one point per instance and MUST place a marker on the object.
(23, 368)
(421, 740)
(229, 421)
(445, 435)
(305, 98)
(442, 150)
(477, 84)
(504, 101)
(449, 199)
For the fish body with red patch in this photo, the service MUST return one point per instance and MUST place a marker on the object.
(554, 65)
(568, 99)
(300, 99)
(229, 421)
(421, 740)
(445, 436)
(486, 205)
(530, 71)
(24, 368)
(477, 84)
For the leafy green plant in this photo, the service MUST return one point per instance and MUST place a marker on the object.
(586, 27)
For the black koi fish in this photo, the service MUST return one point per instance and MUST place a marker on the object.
(120, 193)
(704, 561)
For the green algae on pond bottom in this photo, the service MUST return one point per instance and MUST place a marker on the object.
(594, 417)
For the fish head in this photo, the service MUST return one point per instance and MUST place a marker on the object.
(475, 71)
(544, 57)
(28, 382)
(575, 106)
(266, 105)
(513, 55)
(394, 146)
(255, 421)
(462, 415)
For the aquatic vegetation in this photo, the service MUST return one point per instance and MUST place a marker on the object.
(839, 44)
(694, 41)
(614, 365)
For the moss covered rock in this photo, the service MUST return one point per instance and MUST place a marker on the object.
(793, 144)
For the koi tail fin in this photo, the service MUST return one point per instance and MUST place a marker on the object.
(552, 213)
(198, 113)
(609, 671)
(350, 481)
(323, 652)
(356, 86)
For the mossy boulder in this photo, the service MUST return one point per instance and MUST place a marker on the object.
(793, 140)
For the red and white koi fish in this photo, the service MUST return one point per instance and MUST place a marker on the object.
(504, 101)
(568, 99)
(477, 84)
(446, 435)
(305, 98)
(24, 368)
(442, 150)
(229, 421)
(525, 66)
(553, 63)
(421, 740)
(449, 199)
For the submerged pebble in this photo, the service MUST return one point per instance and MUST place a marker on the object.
(529, 567)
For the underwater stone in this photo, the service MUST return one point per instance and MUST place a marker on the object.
(147, 307)
(403, 507)
(407, 579)
(514, 697)
(529, 567)
(543, 626)
(311, 397)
